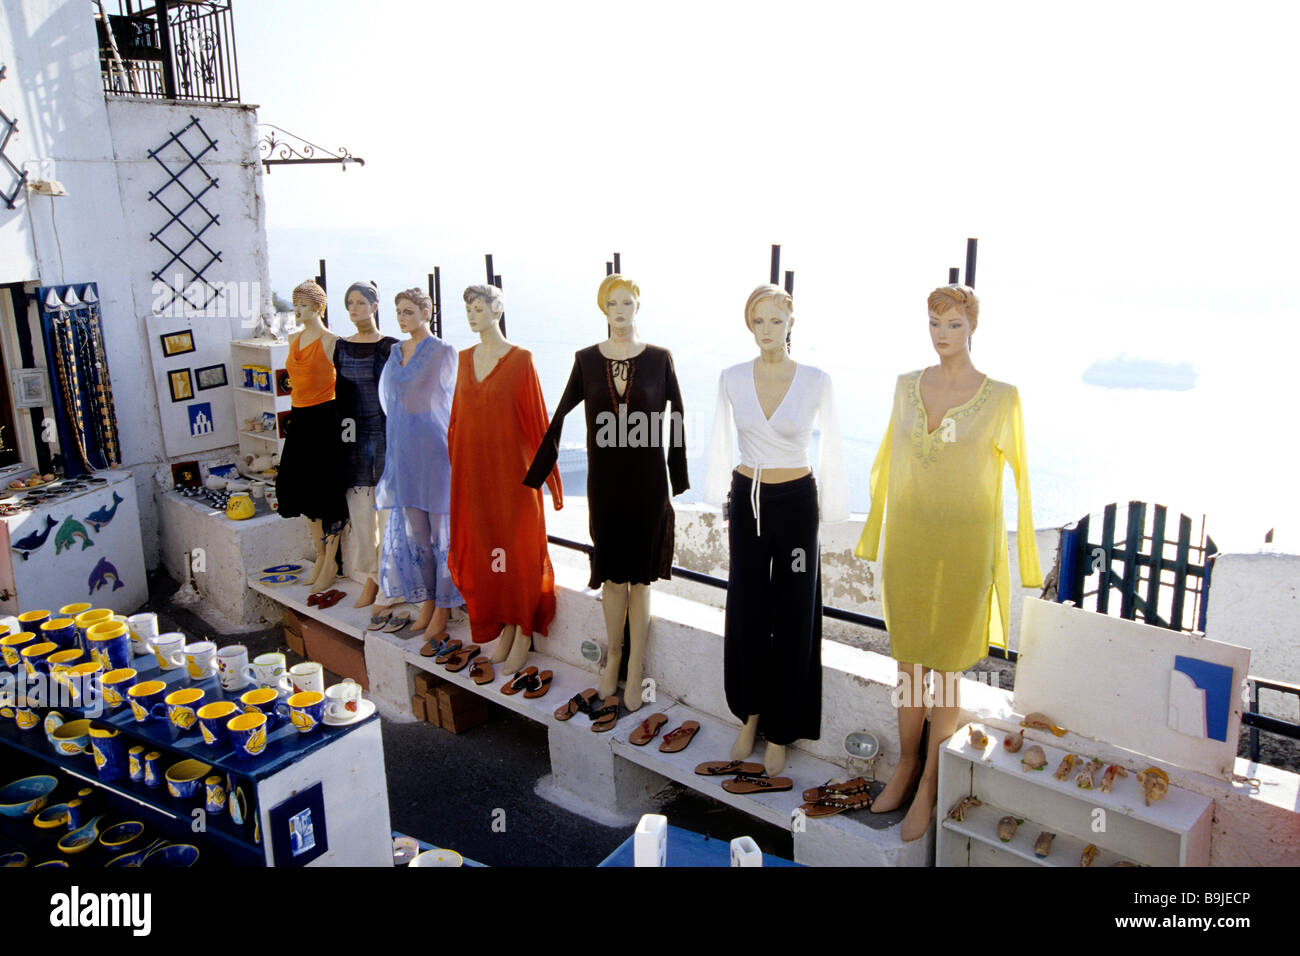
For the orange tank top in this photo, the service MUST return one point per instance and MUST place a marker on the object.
(311, 374)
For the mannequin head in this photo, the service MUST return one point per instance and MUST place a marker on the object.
(362, 301)
(619, 298)
(308, 301)
(954, 313)
(769, 314)
(414, 310)
(483, 306)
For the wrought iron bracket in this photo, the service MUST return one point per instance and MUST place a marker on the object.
(293, 150)
(7, 129)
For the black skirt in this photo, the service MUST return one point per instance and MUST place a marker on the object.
(312, 479)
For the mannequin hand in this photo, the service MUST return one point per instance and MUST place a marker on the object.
(558, 502)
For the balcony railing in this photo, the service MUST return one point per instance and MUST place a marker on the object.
(174, 49)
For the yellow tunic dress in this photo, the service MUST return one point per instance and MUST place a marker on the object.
(945, 555)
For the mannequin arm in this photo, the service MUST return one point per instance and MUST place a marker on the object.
(832, 475)
(530, 405)
(717, 480)
(869, 544)
(1011, 443)
(548, 450)
(676, 428)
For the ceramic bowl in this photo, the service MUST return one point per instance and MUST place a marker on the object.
(120, 834)
(177, 854)
(51, 817)
(13, 859)
(24, 797)
(185, 779)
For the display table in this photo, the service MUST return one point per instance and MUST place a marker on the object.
(347, 761)
(686, 848)
(233, 552)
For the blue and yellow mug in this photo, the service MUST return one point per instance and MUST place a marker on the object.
(109, 751)
(34, 659)
(153, 773)
(306, 709)
(115, 684)
(88, 619)
(62, 660)
(248, 733)
(213, 719)
(83, 683)
(72, 738)
(135, 763)
(110, 644)
(214, 795)
(181, 707)
(61, 631)
(11, 646)
(261, 701)
(143, 696)
(32, 620)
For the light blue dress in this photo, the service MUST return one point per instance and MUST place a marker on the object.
(416, 483)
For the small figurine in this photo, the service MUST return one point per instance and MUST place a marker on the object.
(1013, 742)
(1042, 722)
(1034, 758)
(1089, 854)
(1087, 777)
(1066, 767)
(1155, 784)
(1007, 828)
(958, 811)
(1043, 845)
(978, 738)
(1113, 772)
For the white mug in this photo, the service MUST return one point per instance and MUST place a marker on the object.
(169, 650)
(307, 676)
(200, 660)
(143, 629)
(266, 668)
(344, 700)
(232, 664)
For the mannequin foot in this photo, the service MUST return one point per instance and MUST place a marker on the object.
(426, 615)
(505, 641)
(327, 576)
(774, 759)
(438, 623)
(900, 785)
(744, 745)
(632, 690)
(518, 654)
(921, 814)
(608, 685)
(369, 591)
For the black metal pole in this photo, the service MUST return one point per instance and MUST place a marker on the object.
(776, 264)
(618, 266)
(488, 257)
(789, 283)
(165, 41)
(954, 275)
(320, 281)
(971, 245)
(496, 281)
(609, 268)
(437, 297)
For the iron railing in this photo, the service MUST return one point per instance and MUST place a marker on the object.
(174, 49)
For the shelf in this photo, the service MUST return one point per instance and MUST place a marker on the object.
(259, 392)
(265, 436)
(981, 825)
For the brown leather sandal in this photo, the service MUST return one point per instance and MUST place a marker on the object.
(722, 768)
(482, 671)
(606, 717)
(460, 659)
(746, 784)
(675, 741)
(538, 685)
(833, 803)
(518, 682)
(648, 730)
(844, 788)
(578, 703)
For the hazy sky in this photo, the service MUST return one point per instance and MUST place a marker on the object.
(1129, 168)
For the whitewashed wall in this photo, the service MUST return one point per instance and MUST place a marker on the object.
(100, 231)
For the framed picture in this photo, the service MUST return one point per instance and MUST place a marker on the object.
(181, 385)
(31, 389)
(283, 420)
(186, 474)
(298, 832)
(177, 343)
(210, 376)
(282, 384)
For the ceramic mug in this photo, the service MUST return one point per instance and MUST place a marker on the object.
(180, 707)
(143, 696)
(143, 628)
(11, 646)
(32, 620)
(72, 610)
(153, 773)
(248, 733)
(109, 751)
(76, 813)
(61, 661)
(306, 709)
(266, 668)
(72, 739)
(201, 660)
(88, 619)
(344, 700)
(261, 701)
(135, 763)
(34, 662)
(308, 676)
(61, 631)
(114, 685)
(83, 682)
(232, 666)
(168, 650)
(213, 719)
(214, 795)
(110, 644)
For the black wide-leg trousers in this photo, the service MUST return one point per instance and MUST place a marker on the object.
(772, 665)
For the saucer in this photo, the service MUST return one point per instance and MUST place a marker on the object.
(366, 708)
(275, 580)
(283, 569)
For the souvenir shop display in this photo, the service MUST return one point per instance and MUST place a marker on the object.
(313, 473)
(498, 558)
(936, 487)
(633, 416)
(359, 360)
(772, 658)
(416, 388)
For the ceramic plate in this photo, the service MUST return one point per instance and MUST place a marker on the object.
(283, 569)
(275, 580)
(366, 708)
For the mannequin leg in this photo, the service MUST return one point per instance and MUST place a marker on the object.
(425, 616)
(774, 759)
(614, 603)
(369, 591)
(318, 542)
(911, 722)
(744, 745)
(437, 621)
(518, 651)
(638, 620)
(364, 550)
(329, 571)
(943, 722)
(504, 643)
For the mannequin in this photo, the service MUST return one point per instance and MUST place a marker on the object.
(313, 473)
(631, 520)
(498, 558)
(359, 361)
(773, 621)
(945, 574)
(416, 392)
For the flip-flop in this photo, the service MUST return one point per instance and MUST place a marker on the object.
(721, 768)
(444, 650)
(648, 730)
(482, 671)
(314, 599)
(518, 682)
(378, 620)
(460, 659)
(578, 703)
(606, 717)
(395, 623)
(539, 685)
(743, 785)
(833, 803)
(842, 789)
(678, 739)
